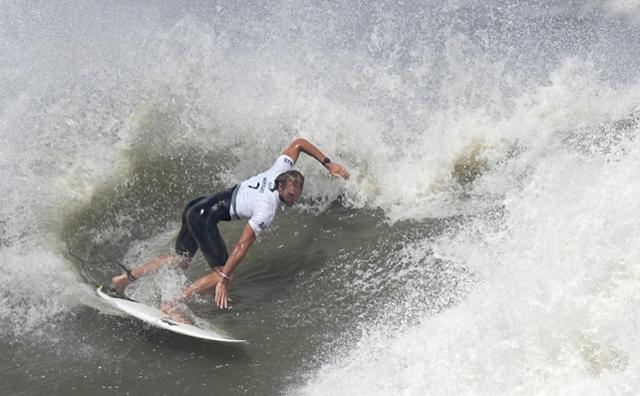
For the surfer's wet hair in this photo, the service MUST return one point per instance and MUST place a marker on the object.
(292, 176)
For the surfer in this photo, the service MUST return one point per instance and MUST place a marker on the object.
(255, 200)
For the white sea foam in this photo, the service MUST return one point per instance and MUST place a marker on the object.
(435, 113)
(555, 310)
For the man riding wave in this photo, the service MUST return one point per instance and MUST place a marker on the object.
(255, 200)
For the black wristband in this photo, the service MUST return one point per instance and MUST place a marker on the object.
(326, 161)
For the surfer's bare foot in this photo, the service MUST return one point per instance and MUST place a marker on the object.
(172, 310)
(120, 283)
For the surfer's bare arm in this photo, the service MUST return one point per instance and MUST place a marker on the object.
(308, 148)
(238, 252)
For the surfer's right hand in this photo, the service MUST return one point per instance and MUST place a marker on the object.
(338, 170)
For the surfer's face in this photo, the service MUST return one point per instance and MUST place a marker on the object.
(289, 194)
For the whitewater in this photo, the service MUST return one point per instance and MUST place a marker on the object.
(487, 242)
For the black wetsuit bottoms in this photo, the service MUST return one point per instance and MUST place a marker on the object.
(200, 227)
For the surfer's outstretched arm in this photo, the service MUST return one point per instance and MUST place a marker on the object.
(308, 148)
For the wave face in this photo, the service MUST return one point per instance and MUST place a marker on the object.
(486, 243)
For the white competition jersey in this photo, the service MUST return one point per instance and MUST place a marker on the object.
(256, 198)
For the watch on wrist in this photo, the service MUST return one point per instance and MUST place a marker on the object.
(326, 161)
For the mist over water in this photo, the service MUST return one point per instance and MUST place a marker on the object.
(486, 243)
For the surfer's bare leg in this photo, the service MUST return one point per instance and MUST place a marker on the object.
(120, 282)
(202, 285)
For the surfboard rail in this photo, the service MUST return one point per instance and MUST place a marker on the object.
(157, 318)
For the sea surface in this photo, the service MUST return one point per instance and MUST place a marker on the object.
(488, 242)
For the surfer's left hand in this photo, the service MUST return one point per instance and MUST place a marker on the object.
(222, 295)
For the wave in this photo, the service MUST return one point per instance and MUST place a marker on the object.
(496, 144)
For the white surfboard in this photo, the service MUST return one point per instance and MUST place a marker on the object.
(157, 318)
